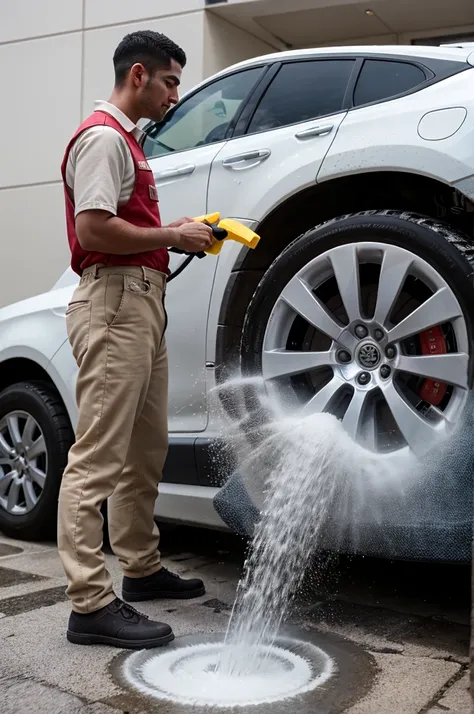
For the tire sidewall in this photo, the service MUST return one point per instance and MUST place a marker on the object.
(23, 397)
(429, 242)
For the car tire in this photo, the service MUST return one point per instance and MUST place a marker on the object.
(42, 402)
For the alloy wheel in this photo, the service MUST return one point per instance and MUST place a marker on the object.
(23, 462)
(375, 335)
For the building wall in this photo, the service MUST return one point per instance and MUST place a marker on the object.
(57, 59)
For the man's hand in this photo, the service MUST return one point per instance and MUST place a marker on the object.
(180, 222)
(192, 236)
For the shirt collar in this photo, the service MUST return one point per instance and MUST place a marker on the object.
(119, 116)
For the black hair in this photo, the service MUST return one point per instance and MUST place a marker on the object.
(152, 49)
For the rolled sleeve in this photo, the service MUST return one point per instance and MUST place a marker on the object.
(99, 164)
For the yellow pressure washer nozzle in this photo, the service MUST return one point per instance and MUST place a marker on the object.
(227, 229)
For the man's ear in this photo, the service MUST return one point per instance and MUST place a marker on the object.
(138, 74)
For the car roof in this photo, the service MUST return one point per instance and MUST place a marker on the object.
(456, 54)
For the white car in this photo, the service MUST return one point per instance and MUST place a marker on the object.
(356, 167)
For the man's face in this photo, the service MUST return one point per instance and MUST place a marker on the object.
(161, 91)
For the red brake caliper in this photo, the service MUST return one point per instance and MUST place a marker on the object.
(433, 343)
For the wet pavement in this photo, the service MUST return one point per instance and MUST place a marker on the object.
(399, 632)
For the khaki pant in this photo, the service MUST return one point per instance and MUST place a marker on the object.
(116, 322)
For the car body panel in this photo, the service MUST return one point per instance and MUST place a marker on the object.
(255, 188)
(187, 299)
(34, 326)
(395, 144)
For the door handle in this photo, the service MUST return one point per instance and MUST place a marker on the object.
(258, 155)
(322, 130)
(172, 173)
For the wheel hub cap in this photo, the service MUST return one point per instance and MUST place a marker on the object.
(368, 356)
(20, 465)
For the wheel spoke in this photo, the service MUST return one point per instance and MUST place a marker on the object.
(28, 431)
(450, 368)
(37, 448)
(368, 433)
(37, 475)
(440, 307)
(284, 363)
(352, 420)
(303, 301)
(321, 399)
(417, 431)
(31, 499)
(7, 454)
(14, 431)
(13, 496)
(395, 266)
(345, 264)
(5, 482)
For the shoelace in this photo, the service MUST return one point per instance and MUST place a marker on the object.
(128, 611)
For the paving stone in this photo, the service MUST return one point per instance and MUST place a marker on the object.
(405, 684)
(22, 696)
(456, 700)
(6, 549)
(9, 577)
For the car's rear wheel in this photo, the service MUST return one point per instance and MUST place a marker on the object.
(35, 436)
(369, 317)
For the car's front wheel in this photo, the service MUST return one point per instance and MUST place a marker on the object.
(35, 436)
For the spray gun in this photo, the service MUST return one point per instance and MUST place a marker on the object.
(222, 230)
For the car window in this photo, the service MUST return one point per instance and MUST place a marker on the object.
(302, 91)
(382, 79)
(203, 118)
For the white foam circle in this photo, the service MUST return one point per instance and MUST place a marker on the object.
(187, 675)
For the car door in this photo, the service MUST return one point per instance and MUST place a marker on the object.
(381, 132)
(284, 144)
(180, 152)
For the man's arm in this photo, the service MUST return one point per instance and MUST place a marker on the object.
(102, 232)
(100, 164)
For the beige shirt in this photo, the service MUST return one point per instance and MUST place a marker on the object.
(100, 169)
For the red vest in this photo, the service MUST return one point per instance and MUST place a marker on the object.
(141, 210)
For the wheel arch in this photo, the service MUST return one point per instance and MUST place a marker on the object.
(395, 190)
(22, 368)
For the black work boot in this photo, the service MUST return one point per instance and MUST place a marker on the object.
(161, 585)
(118, 625)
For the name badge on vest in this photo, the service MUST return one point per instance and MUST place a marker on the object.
(144, 166)
(153, 192)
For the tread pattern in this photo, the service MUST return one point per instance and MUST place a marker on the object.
(455, 238)
(57, 411)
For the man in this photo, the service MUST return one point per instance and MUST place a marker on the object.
(116, 323)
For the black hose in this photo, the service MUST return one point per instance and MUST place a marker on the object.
(180, 269)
